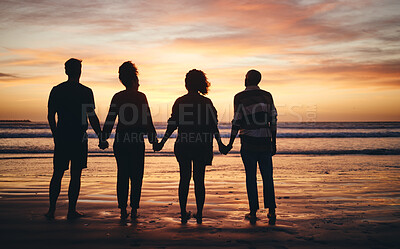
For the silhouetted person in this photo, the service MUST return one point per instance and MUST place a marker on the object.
(196, 119)
(134, 121)
(255, 117)
(74, 104)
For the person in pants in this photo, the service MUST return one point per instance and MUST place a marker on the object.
(255, 120)
(134, 122)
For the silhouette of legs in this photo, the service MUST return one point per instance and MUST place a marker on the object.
(185, 166)
(54, 191)
(198, 176)
(73, 193)
(264, 160)
(250, 164)
(130, 162)
(185, 171)
(122, 185)
(137, 181)
(74, 188)
(265, 164)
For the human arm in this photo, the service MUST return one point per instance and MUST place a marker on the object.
(214, 127)
(273, 128)
(172, 126)
(89, 107)
(157, 146)
(236, 122)
(151, 131)
(51, 114)
(95, 123)
(228, 147)
(108, 123)
(110, 120)
(94, 120)
(51, 117)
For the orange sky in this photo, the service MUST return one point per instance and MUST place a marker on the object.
(321, 60)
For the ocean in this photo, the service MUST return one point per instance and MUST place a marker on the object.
(33, 139)
(335, 184)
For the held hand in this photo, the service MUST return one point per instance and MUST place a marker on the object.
(221, 148)
(103, 145)
(273, 149)
(228, 148)
(224, 149)
(54, 137)
(158, 146)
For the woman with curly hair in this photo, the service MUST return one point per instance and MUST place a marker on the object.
(195, 117)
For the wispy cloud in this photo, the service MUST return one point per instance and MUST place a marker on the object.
(321, 44)
(6, 75)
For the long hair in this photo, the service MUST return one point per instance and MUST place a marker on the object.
(196, 80)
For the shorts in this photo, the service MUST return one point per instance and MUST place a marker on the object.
(202, 153)
(74, 152)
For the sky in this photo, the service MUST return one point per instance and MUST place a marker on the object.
(321, 60)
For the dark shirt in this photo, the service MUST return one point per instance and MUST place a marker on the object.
(196, 119)
(134, 117)
(71, 101)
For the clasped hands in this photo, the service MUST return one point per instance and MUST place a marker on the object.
(103, 144)
(157, 146)
(223, 149)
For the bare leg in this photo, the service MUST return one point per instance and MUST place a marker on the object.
(54, 191)
(73, 192)
(185, 175)
(136, 176)
(198, 177)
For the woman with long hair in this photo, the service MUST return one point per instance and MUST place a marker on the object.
(195, 117)
(134, 121)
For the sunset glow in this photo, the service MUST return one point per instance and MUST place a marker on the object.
(322, 60)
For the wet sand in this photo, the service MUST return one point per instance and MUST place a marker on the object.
(323, 202)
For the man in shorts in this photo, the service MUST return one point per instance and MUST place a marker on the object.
(74, 105)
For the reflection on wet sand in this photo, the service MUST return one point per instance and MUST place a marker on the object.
(329, 201)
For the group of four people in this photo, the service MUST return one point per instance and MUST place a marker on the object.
(193, 115)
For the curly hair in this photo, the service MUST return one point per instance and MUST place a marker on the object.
(128, 74)
(196, 80)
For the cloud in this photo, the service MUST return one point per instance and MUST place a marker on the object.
(315, 44)
(355, 75)
(5, 75)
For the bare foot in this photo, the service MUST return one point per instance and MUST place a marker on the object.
(124, 214)
(74, 215)
(185, 217)
(252, 217)
(272, 218)
(49, 215)
(134, 214)
(199, 218)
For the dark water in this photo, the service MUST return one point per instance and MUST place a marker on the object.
(320, 138)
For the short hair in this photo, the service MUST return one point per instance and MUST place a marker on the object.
(128, 74)
(196, 80)
(253, 77)
(73, 67)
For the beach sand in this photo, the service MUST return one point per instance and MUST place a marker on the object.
(346, 201)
